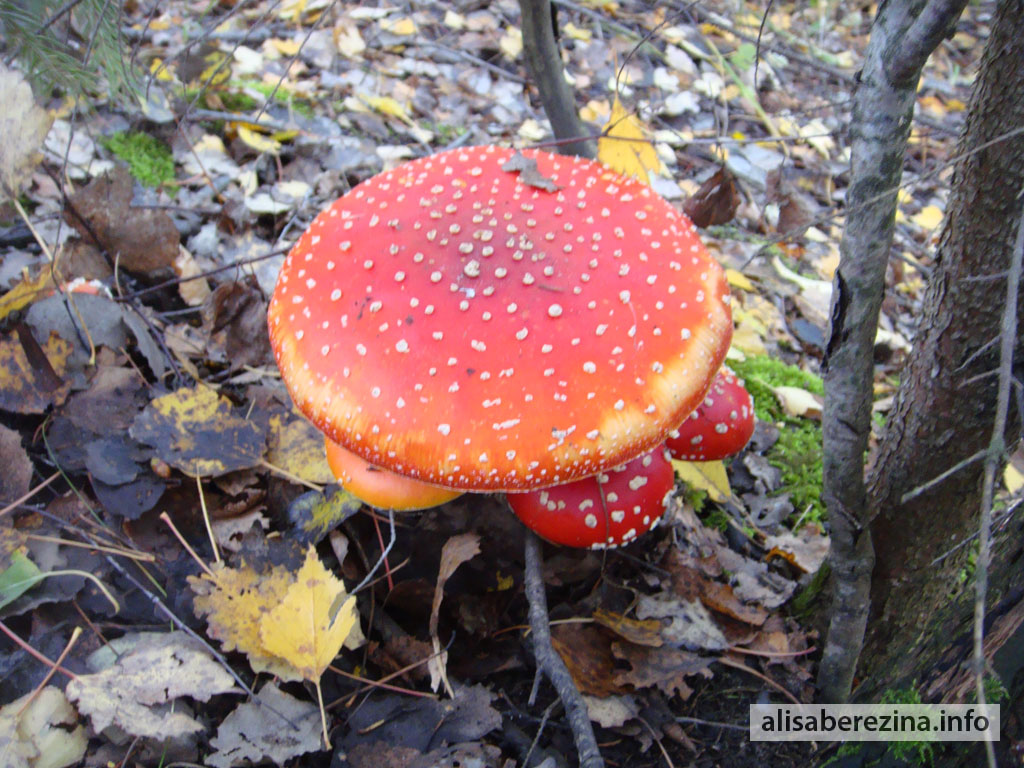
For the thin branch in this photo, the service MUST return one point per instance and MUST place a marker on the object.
(913, 494)
(935, 22)
(996, 448)
(551, 663)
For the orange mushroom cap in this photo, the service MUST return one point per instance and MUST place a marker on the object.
(379, 487)
(476, 324)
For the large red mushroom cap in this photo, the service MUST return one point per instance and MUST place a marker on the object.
(720, 426)
(478, 324)
(607, 510)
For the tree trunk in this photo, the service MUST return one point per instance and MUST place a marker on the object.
(920, 626)
(903, 35)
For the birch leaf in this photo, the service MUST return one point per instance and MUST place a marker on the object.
(300, 629)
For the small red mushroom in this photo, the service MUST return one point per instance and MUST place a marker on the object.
(608, 510)
(720, 426)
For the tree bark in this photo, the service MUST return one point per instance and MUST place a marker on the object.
(903, 35)
(945, 409)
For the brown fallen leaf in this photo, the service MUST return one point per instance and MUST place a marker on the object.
(587, 652)
(17, 474)
(663, 668)
(720, 597)
(456, 551)
(639, 632)
(144, 240)
(235, 319)
(716, 201)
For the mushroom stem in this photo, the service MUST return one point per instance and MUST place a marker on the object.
(551, 663)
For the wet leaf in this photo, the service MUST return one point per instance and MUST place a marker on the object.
(32, 386)
(275, 728)
(716, 201)
(17, 467)
(199, 432)
(152, 670)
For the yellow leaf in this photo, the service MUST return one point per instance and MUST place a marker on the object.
(300, 629)
(403, 26)
(257, 142)
(454, 20)
(348, 41)
(624, 148)
(798, 402)
(235, 602)
(511, 43)
(297, 447)
(159, 71)
(576, 33)
(285, 47)
(738, 280)
(929, 217)
(388, 106)
(595, 110)
(216, 69)
(748, 340)
(199, 432)
(1013, 478)
(25, 292)
(706, 476)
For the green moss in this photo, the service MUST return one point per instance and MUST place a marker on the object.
(805, 601)
(717, 518)
(797, 454)
(238, 101)
(149, 159)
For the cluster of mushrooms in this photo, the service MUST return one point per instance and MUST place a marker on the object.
(485, 320)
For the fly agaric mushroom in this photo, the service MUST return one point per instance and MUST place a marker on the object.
(483, 320)
(720, 426)
(607, 510)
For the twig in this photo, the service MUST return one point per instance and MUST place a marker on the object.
(551, 663)
(711, 723)
(32, 492)
(75, 634)
(383, 555)
(34, 653)
(913, 494)
(996, 449)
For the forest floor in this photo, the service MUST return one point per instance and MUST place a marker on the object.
(152, 413)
